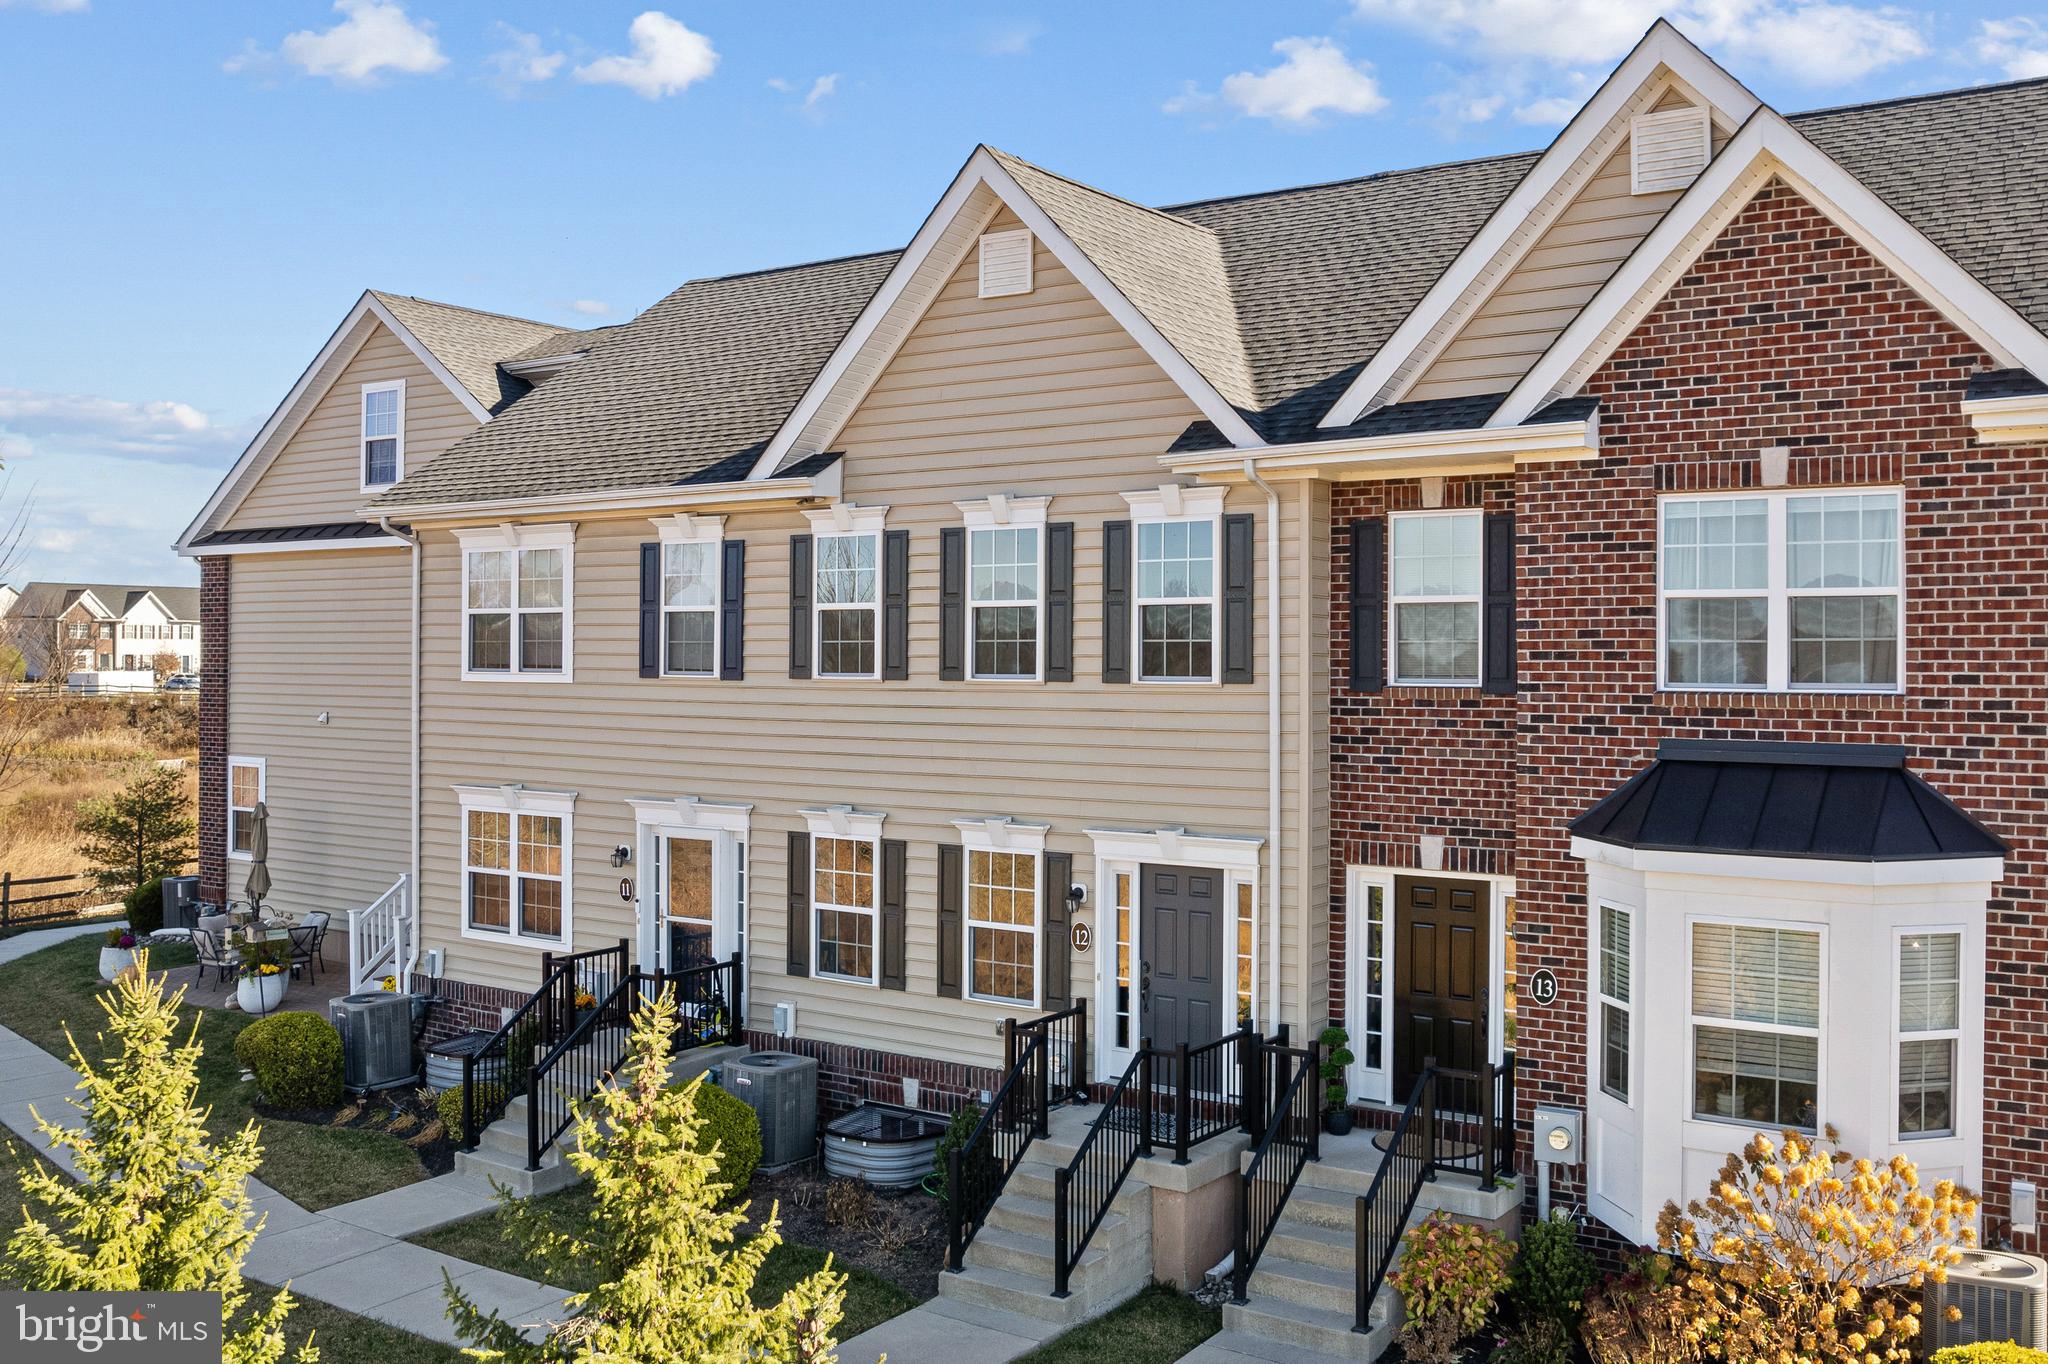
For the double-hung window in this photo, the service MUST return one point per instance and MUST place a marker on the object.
(383, 433)
(516, 593)
(1781, 591)
(1178, 545)
(848, 602)
(1616, 999)
(1003, 865)
(845, 889)
(1005, 587)
(515, 881)
(1756, 1008)
(692, 554)
(245, 793)
(1437, 575)
(1930, 1030)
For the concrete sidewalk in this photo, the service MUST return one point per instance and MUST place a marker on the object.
(351, 1256)
(950, 1331)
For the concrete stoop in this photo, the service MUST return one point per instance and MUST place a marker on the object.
(500, 1153)
(1009, 1264)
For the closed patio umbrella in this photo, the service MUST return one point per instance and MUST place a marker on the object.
(259, 855)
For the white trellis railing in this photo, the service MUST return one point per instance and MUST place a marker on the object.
(378, 936)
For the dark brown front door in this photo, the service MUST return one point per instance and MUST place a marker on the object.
(1440, 976)
(1180, 946)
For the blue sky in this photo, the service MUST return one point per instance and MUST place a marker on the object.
(192, 195)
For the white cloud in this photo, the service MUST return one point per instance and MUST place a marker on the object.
(1314, 78)
(56, 541)
(2018, 47)
(48, 6)
(373, 37)
(821, 89)
(667, 58)
(1010, 40)
(590, 307)
(1548, 112)
(34, 423)
(522, 60)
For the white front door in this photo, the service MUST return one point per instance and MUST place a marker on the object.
(692, 897)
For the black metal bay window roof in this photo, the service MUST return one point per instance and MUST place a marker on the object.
(1840, 802)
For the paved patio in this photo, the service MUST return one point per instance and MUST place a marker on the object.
(308, 992)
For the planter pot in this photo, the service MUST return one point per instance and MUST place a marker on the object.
(261, 994)
(1337, 1122)
(115, 960)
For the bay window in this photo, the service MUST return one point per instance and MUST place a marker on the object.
(1756, 1011)
(516, 593)
(1616, 991)
(1930, 975)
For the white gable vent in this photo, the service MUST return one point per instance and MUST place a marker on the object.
(1668, 150)
(1005, 263)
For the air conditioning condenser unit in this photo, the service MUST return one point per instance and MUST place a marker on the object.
(1999, 1295)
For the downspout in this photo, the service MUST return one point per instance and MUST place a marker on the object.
(412, 946)
(1270, 892)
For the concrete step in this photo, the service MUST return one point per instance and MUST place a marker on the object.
(1331, 1247)
(1311, 1285)
(1033, 1217)
(1026, 1254)
(1027, 1295)
(511, 1172)
(1327, 1334)
(1237, 1345)
(1033, 1180)
(1310, 1206)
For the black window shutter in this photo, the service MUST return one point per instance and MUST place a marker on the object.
(732, 612)
(1369, 604)
(894, 890)
(799, 929)
(1059, 602)
(895, 605)
(952, 603)
(1497, 606)
(799, 606)
(1116, 601)
(952, 890)
(1055, 949)
(650, 609)
(1237, 598)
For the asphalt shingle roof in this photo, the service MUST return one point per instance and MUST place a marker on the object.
(1278, 298)
(471, 343)
(42, 600)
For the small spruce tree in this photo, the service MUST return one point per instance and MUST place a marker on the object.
(142, 831)
(676, 1277)
(158, 1206)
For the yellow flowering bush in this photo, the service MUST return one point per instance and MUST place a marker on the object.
(1806, 1254)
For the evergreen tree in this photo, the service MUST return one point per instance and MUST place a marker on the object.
(140, 832)
(158, 1206)
(676, 1277)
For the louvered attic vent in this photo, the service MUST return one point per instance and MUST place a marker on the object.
(1005, 263)
(1668, 150)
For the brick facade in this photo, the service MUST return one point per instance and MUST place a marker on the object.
(1784, 333)
(215, 571)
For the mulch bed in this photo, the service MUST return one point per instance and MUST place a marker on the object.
(406, 1114)
(900, 1237)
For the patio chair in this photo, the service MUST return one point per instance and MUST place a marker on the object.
(216, 924)
(318, 921)
(305, 951)
(213, 956)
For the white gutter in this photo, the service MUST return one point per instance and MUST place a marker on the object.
(412, 951)
(2018, 420)
(732, 492)
(1271, 893)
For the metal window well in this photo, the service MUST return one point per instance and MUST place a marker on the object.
(883, 1145)
(444, 1061)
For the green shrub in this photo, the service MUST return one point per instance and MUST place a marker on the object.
(1534, 1340)
(979, 1171)
(296, 1059)
(448, 1104)
(145, 906)
(1449, 1276)
(1552, 1275)
(732, 1125)
(1990, 1352)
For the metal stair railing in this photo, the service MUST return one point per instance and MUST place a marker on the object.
(1293, 1137)
(491, 1075)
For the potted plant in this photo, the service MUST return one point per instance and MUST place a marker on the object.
(118, 954)
(1335, 1045)
(262, 978)
(584, 1003)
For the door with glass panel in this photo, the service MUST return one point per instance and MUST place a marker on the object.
(693, 912)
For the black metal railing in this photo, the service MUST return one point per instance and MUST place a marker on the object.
(710, 1011)
(1293, 1138)
(565, 976)
(1044, 1062)
(497, 1070)
(1209, 1087)
(1085, 1186)
(588, 1055)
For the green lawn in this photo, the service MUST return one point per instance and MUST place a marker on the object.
(316, 1167)
(1159, 1325)
(870, 1299)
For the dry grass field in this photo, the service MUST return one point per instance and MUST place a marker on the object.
(77, 747)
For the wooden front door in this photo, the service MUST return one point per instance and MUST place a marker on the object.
(1441, 970)
(1180, 943)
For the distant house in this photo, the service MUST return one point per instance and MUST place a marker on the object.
(62, 628)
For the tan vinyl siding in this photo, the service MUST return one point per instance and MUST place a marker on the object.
(326, 633)
(1038, 393)
(317, 476)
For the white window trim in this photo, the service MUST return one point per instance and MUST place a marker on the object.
(1395, 603)
(839, 521)
(843, 821)
(484, 539)
(1954, 1036)
(1778, 595)
(726, 825)
(1695, 1020)
(1170, 504)
(1603, 1001)
(1002, 834)
(262, 787)
(363, 436)
(516, 800)
(1000, 512)
(686, 528)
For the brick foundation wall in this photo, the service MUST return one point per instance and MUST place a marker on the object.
(214, 571)
(1784, 333)
(464, 1007)
(851, 1076)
